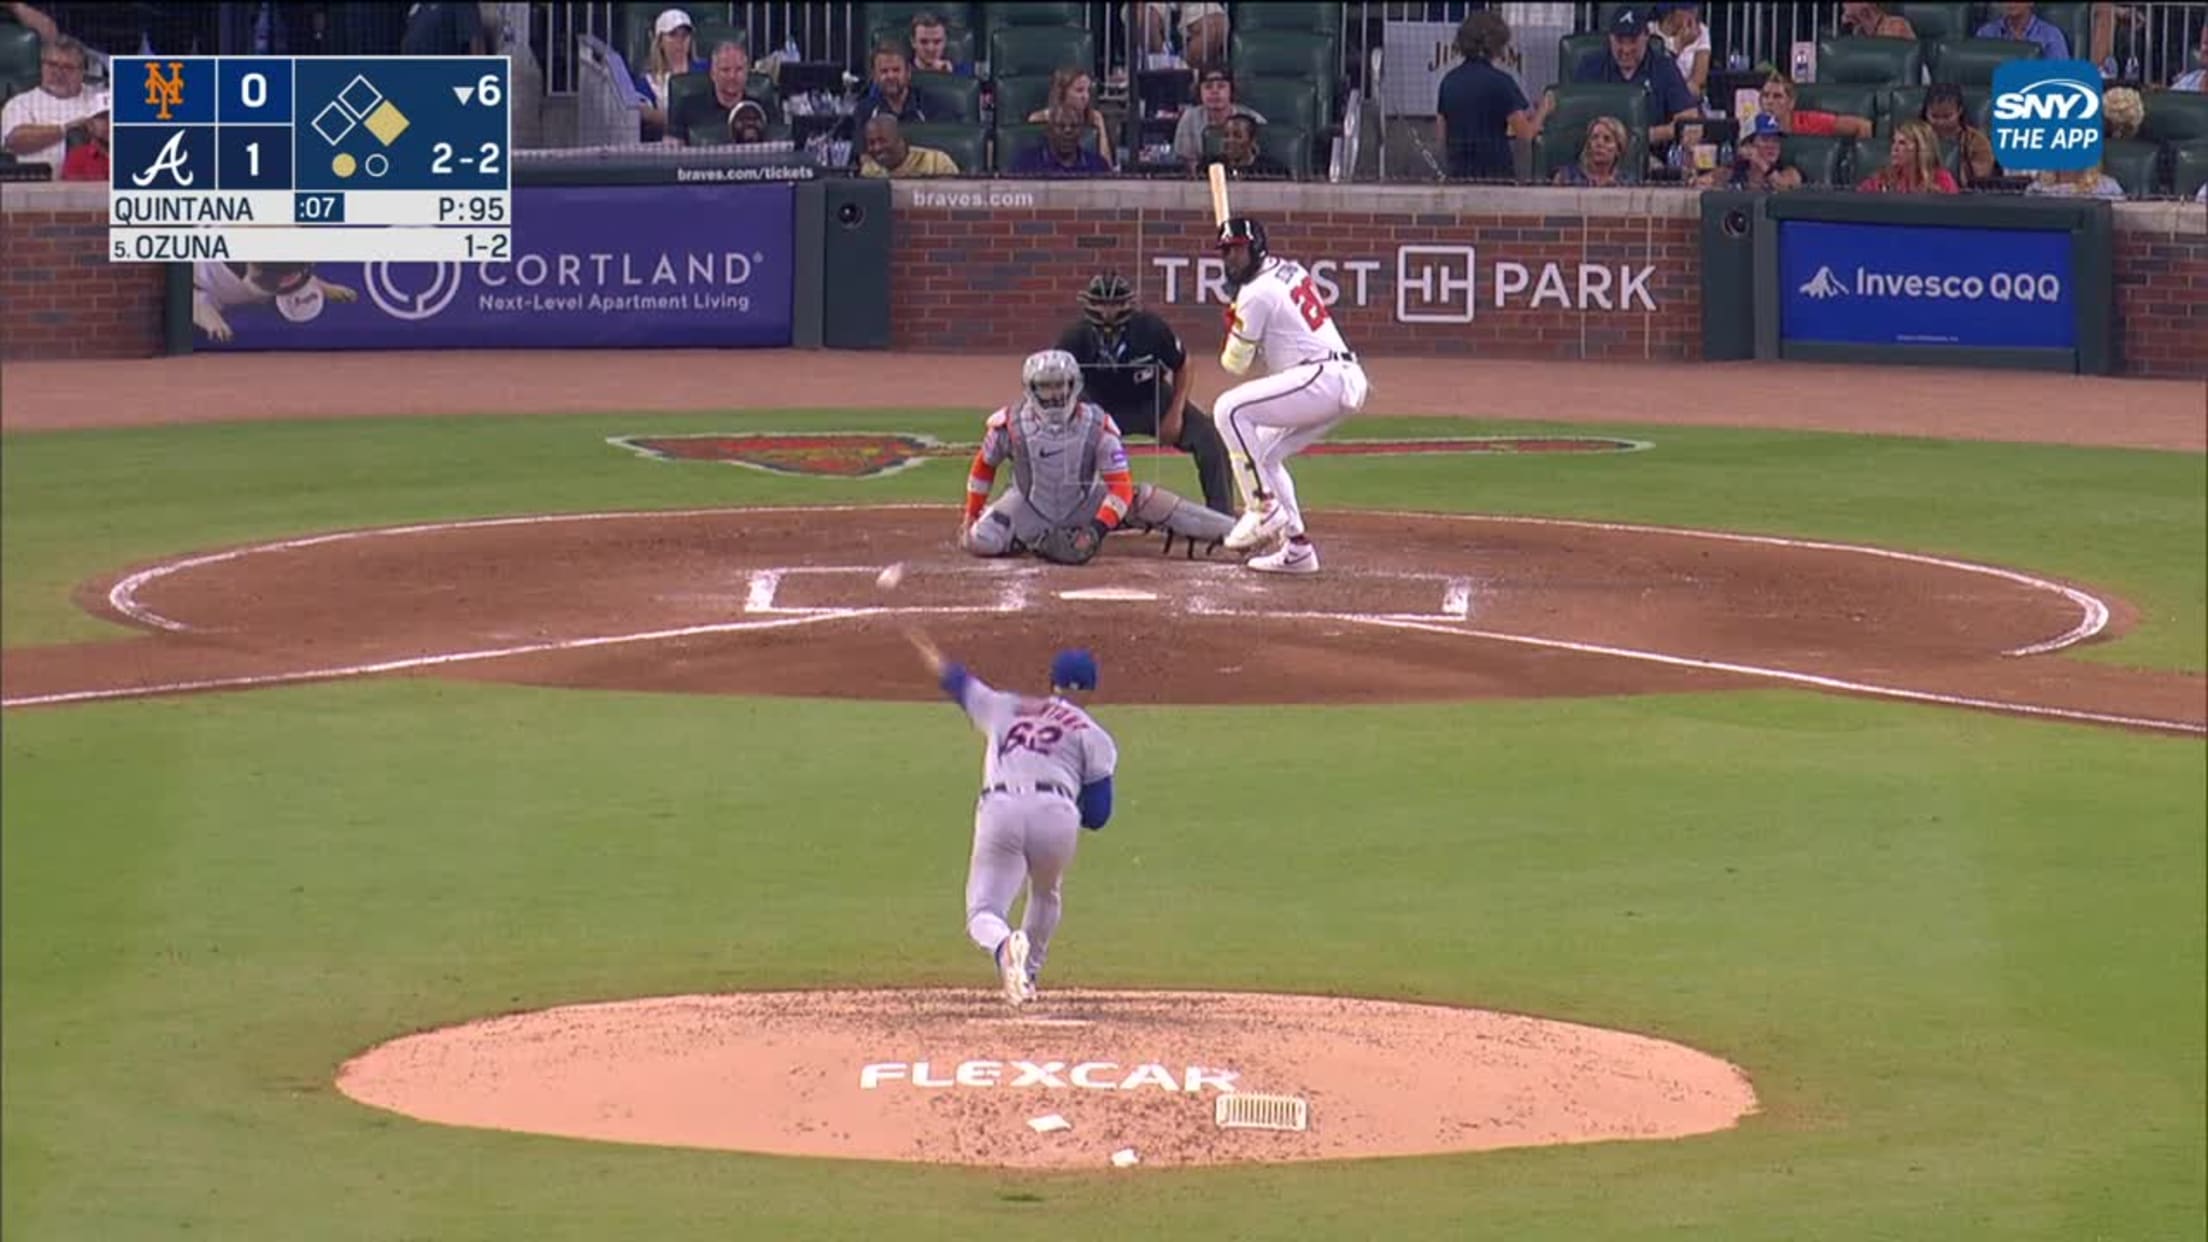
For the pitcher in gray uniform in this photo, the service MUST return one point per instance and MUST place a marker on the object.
(1071, 484)
(1046, 775)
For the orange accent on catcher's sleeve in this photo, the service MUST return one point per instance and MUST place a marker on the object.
(980, 478)
(1120, 497)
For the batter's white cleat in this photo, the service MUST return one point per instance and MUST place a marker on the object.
(1258, 526)
(1012, 968)
(1290, 558)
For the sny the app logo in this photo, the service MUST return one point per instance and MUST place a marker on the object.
(165, 93)
(2047, 115)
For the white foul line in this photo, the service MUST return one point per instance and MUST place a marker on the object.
(1456, 601)
(1780, 674)
(427, 661)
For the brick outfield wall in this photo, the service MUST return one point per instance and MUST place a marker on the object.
(985, 280)
(1001, 278)
(61, 298)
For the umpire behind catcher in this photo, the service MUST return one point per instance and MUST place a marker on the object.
(1133, 365)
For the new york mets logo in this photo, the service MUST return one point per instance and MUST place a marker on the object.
(165, 93)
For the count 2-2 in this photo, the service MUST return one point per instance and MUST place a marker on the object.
(485, 163)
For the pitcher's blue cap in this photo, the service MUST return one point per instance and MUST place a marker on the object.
(1073, 669)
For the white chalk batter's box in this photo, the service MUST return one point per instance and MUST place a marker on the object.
(1218, 587)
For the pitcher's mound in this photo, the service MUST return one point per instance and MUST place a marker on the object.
(959, 1077)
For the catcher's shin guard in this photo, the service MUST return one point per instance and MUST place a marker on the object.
(1158, 509)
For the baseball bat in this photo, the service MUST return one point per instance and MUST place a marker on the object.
(929, 653)
(1219, 211)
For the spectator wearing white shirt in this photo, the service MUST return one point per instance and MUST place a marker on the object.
(2197, 80)
(1689, 41)
(36, 125)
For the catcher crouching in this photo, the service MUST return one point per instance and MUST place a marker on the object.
(1071, 485)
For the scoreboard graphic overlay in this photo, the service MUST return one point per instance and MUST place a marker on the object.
(274, 159)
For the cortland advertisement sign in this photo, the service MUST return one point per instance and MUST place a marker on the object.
(1891, 284)
(1436, 284)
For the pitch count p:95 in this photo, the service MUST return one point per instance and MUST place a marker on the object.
(471, 209)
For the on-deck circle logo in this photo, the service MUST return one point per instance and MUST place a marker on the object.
(2047, 115)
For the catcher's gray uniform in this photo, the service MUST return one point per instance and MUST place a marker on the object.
(1068, 475)
(1042, 755)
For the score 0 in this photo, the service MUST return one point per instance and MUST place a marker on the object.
(253, 112)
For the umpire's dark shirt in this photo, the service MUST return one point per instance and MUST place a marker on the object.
(1136, 391)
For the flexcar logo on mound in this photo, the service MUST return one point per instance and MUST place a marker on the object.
(2047, 115)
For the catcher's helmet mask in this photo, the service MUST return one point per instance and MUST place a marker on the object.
(1243, 236)
(1053, 382)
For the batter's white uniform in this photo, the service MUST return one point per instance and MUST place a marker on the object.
(1313, 380)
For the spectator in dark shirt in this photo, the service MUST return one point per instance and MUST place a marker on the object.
(1602, 157)
(1481, 108)
(1245, 160)
(931, 41)
(892, 90)
(1627, 60)
(708, 112)
(443, 30)
(1060, 153)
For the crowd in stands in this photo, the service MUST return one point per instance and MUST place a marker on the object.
(965, 89)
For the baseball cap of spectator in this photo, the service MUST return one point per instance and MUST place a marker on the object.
(1766, 125)
(1629, 22)
(672, 19)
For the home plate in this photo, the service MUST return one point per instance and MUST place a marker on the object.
(1112, 593)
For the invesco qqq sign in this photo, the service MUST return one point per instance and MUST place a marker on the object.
(1437, 284)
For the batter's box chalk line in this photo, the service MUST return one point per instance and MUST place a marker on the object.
(1246, 1111)
(1013, 592)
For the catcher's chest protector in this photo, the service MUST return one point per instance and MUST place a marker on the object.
(1056, 469)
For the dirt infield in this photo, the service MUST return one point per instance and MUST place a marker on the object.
(783, 601)
(956, 1077)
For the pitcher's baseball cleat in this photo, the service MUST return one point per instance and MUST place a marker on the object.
(1293, 557)
(1260, 524)
(1012, 966)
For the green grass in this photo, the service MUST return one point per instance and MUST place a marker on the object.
(2129, 522)
(1963, 956)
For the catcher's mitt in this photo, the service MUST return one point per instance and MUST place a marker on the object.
(1072, 545)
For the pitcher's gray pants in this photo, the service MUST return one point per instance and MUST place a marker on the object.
(1019, 837)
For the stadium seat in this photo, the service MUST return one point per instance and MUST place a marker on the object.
(1935, 22)
(1906, 103)
(1971, 62)
(2175, 116)
(966, 144)
(1021, 50)
(2135, 165)
(949, 97)
(683, 85)
(1305, 59)
(18, 58)
(2188, 167)
(1003, 15)
(1012, 139)
(1323, 19)
(1841, 99)
(1018, 97)
(1579, 103)
(1819, 159)
(1285, 101)
(1874, 62)
(1574, 48)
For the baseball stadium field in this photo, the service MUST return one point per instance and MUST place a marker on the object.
(326, 732)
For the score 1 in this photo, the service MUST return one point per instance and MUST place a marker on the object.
(253, 112)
